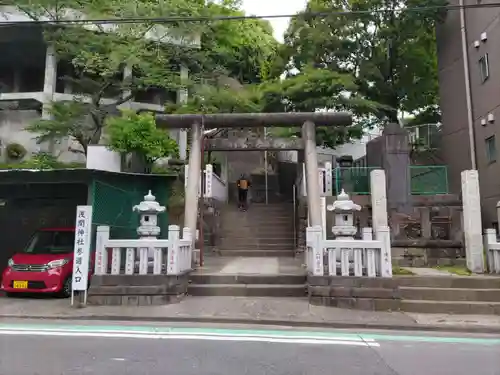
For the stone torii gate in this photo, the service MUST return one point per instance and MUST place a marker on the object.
(198, 123)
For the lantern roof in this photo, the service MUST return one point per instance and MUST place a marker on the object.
(343, 203)
(149, 205)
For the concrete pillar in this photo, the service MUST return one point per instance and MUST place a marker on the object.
(127, 77)
(425, 222)
(49, 82)
(378, 199)
(193, 181)
(311, 161)
(472, 221)
(498, 217)
(182, 98)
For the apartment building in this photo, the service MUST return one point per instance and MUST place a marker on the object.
(469, 77)
(31, 77)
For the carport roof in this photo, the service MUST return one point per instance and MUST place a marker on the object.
(77, 175)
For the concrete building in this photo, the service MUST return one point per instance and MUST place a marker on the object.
(469, 78)
(31, 77)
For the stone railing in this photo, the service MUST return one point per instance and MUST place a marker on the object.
(492, 250)
(143, 256)
(349, 257)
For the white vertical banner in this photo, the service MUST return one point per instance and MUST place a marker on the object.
(81, 256)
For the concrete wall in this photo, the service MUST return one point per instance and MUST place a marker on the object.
(12, 125)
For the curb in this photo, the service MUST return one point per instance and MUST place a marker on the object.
(270, 322)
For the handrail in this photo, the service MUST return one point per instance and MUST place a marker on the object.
(219, 178)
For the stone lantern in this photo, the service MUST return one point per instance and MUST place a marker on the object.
(344, 209)
(148, 210)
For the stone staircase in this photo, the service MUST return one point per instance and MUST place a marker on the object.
(265, 230)
(417, 294)
(248, 285)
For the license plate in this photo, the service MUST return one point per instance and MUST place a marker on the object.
(20, 285)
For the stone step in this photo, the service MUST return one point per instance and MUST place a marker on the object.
(467, 282)
(260, 240)
(281, 279)
(259, 233)
(254, 217)
(256, 246)
(451, 307)
(256, 253)
(247, 290)
(450, 294)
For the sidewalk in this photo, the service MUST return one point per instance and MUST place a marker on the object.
(243, 310)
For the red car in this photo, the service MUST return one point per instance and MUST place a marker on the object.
(44, 266)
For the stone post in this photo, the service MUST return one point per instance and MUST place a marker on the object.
(311, 161)
(182, 98)
(396, 163)
(193, 181)
(425, 223)
(49, 81)
(378, 199)
(472, 221)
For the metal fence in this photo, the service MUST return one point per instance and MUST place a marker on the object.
(425, 180)
(112, 204)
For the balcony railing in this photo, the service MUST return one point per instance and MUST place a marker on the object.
(425, 180)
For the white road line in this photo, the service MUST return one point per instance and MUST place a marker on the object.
(197, 334)
(181, 336)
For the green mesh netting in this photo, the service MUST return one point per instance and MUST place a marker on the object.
(425, 180)
(112, 205)
(429, 180)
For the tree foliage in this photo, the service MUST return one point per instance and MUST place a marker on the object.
(242, 49)
(94, 57)
(390, 53)
(137, 132)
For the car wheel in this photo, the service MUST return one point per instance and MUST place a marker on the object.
(66, 289)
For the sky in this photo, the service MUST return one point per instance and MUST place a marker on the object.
(274, 7)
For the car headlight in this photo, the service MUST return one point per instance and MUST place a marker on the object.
(10, 263)
(57, 263)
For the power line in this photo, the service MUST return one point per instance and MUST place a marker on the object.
(196, 19)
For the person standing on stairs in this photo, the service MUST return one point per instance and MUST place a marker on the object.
(243, 185)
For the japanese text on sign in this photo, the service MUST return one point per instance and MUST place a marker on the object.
(82, 247)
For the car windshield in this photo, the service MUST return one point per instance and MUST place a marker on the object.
(51, 242)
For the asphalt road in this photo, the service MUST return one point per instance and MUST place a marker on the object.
(53, 349)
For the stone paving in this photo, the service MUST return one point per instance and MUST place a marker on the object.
(276, 311)
(251, 266)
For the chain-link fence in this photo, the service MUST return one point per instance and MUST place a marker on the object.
(112, 204)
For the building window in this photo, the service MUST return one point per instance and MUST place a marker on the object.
(484, 68)
(491, 149)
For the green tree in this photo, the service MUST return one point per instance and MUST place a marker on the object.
(389, 52)
(315, 89)
(95, 57)
(242, 49)
(137, 133)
